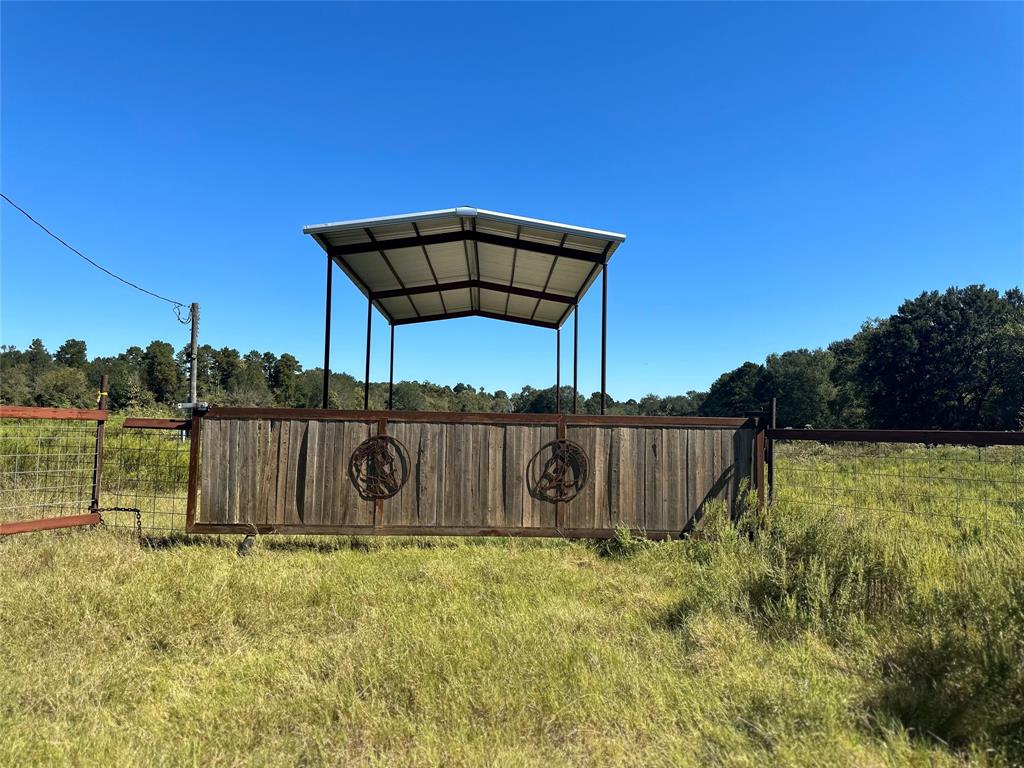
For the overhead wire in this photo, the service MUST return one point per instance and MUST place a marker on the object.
(178, 305)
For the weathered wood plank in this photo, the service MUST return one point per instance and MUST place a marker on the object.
(266, 458)
(466, 475)
(296, 440)
(232, 475)
(208, 467)
(281, 482)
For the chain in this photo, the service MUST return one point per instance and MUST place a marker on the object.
(138, 517)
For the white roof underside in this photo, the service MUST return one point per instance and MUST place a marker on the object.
(493, 264)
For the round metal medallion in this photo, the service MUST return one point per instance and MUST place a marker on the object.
(558, 471)
(379, 467)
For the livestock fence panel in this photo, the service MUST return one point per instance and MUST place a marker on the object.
(952, 484)
(68, 467)
(146, 466)
(358, 472)
(50, 468)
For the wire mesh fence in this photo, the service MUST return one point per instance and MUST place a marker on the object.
(941, 489)
(945, 489)
(48, 472)
(46, 468)
(145, 478)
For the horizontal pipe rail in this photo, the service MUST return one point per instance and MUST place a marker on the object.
(415, 530)
(57, 414)
(448, 417)
(49, 524)
(140, 423)
(926, 436)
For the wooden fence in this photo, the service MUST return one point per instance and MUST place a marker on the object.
(358, 472)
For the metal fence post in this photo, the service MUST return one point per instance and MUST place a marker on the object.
(97, 467)
(760, 419)
(772, 424)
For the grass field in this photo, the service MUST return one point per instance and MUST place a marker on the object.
(799, 637)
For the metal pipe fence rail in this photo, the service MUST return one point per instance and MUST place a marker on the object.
(66, 467)
(49, 475)
(952, 484)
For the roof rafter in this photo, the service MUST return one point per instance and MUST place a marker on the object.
(486, 285)
(474, 313)
(489, 238)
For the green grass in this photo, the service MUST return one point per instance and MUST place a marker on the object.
(799, 637)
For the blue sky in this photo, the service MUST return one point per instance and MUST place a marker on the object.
(783, 172)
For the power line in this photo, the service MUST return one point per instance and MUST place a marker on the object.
(176, 304)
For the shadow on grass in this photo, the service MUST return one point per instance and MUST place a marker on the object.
(366, 544)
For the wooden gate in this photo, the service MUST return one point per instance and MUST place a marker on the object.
(360, 472)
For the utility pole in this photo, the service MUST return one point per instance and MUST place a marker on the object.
(193, 354)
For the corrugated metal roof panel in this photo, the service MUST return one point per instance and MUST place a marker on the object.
(442, 247)
(492, 301)
(430, 303)
(459, 300)
(495, 262)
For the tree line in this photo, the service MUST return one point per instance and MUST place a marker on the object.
(948, 360)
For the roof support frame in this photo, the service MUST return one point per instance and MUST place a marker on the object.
(377, 243)
(430, 265)
(383, 255)
(479, 284)
(457, 236)
(547, 281)
(475, 313)
(515, 255)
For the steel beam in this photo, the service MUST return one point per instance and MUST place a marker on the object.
(391, 373)
(575, 354)
(471, 236)
(327, 331)
(366, 378)
(474, 313)
(462, 284)
(558, 371)
(604, 335)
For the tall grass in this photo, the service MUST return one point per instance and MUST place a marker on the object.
(797, 636)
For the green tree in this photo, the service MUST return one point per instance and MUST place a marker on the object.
(227, 364)
(735, 392)
(801, 382)
(849, 405)
(72, 354)
(15, 383)
(163, 377)
(409, 396)
(283, 380)
(946, 360)
(63, 387)
(37, 357)
(250, 385)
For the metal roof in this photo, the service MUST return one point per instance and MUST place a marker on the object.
(460, 262)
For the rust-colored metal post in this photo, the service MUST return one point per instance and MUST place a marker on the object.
(391, 373)
(366, 378)
(759, 459)
(558, 370)
(192, 500)
(327, 331)
(604, 335)
(773, 425)
(561, 507)
(575, 353)
(97, 467)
